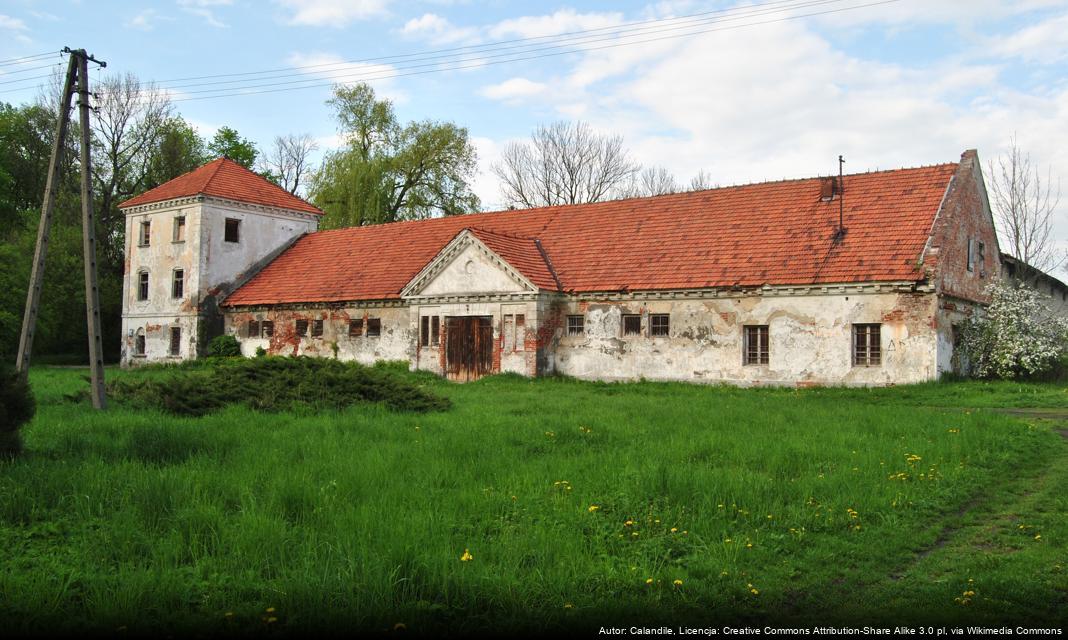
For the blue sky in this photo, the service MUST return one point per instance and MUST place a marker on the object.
(903, 83)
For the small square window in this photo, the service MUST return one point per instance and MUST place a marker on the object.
(267, 328)
(374, 327)
(317, 328)
(178, 283)
(233, 230)
(253, 328)
(659, 324)
(867, 345)
(355, 328)
(145, 234)
(576, 325)
(756, 344)
(632, 324)
(302, 327)
(179, 229)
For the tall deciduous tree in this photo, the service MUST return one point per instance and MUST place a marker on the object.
(288, 162)
(388, 171)
(178, 149)
(228, 142)
(564, 163)
(1025, 209)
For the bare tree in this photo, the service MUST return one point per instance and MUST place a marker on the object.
(564, 163)
(701, 181)
(651, 181)
(128, 120)
(289, 160)
(1025, 209)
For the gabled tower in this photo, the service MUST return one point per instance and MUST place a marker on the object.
(190, 242)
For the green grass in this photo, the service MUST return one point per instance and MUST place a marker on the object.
(144, 520)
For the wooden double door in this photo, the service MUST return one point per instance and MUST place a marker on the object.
(468, 347)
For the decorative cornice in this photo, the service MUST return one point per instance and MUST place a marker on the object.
(463, 239)
(233, 204)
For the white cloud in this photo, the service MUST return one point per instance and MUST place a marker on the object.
(331, 13)
(204, 9)
(334, 68)
(513, 89)
(438, 30)
(1045, 42)
(562, 21)
(14, 24)
(145, 21)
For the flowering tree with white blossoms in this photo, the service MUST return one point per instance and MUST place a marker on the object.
(1018, 336)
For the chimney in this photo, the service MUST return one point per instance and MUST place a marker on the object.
(828, 188)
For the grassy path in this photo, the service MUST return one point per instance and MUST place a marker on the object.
(1007, 541)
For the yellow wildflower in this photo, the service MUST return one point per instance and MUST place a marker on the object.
(592, 508)
(677, 583)
(467, 557)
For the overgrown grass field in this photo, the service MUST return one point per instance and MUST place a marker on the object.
(539, 504)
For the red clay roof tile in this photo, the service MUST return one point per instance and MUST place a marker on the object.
(224, 178)
(777, 233)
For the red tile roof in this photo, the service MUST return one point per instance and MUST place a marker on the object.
(523, 254)
(224, 178)
(776, 233)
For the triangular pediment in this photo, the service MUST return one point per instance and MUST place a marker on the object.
(466, 266)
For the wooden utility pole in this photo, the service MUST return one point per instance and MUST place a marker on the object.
(77, 70)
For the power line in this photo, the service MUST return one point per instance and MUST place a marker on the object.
(490, 45)
(434, 60)
(519, 59)
(24, 59)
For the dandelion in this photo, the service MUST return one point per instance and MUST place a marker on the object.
(400, 626)
(628, 523)
(748, 545)
(569, 606)
(270, 610)
(272, 620)
(648, 581)
(674, 529)
(1038, 536)
(677, 583)
(593, 508)
(467, 557)
(753, 590)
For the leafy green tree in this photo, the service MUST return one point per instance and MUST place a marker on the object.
(388, 171)
(178, 149)
(229, 143)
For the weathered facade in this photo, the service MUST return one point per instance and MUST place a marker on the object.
(745, 285)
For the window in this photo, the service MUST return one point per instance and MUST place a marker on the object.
(176, 340)
(756, 344)
(142, 285)
(178, 283)
(971, 254)
(146, 233)
(429, 331)
(355, 328)
(253, 328)
(509, 332)
(659, 324)
(982, 259)
(374, 327)
(233, 230)
(139, 343)
(317, 328)
(302, 327)
(520, 331)
(179, 229)
(576, 325)
(632, 324)
(267, 328)
(867, 349)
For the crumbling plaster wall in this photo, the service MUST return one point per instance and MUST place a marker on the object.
(396, 341)
(211, 268)
(810, 339)
(156, 315)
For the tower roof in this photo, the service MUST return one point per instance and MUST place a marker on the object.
(224, 178)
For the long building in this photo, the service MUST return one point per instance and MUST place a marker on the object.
(818, 281)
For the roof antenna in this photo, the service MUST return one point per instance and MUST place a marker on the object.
(841, 203)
